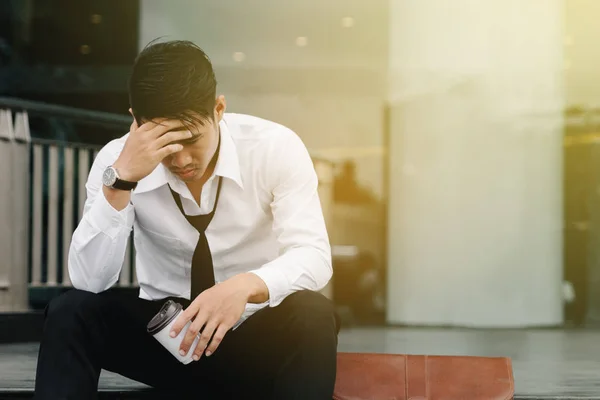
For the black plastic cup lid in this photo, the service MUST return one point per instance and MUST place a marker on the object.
(164, 317)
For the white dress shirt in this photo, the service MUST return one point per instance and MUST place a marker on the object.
(268, 221)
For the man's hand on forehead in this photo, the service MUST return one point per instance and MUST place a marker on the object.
(148, 145)
(163, 126)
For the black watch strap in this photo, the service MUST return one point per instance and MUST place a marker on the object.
(120, 184)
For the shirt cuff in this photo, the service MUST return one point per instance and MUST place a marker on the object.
(103, 216)
(276, 282)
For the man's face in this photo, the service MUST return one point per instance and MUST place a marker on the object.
(191, 163)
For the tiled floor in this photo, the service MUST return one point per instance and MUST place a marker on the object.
(548, 364)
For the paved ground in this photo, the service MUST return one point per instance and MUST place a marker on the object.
(548, 364)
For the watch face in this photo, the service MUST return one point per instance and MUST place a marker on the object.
(109, 177)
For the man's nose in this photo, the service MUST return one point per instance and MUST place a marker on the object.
(180, 159)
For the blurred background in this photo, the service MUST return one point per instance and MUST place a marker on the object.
(457, 143)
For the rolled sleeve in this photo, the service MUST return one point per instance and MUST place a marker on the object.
(105, 218)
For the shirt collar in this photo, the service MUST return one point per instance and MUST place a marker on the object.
(228, 165)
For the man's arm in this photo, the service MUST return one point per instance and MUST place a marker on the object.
(100, 240)
(298, 223)
(99, 243)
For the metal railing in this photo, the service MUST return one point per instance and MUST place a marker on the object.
(89, 117)
(44, 194)
(59, 172)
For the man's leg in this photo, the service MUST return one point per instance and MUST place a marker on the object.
(85, 332)
(285, 352)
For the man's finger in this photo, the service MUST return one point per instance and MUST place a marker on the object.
(133, 127)
(170, 137)
(183, 319)
(204, 339)
(152, 124)
(192, 332)
(168, 150)
(217, 339)
(159, 127)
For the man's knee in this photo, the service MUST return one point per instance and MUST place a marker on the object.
(312, 311)
(70, 307)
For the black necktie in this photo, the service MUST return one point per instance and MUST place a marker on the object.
(203, 275)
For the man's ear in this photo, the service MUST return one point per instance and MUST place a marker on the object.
(220, 107)
(136, 120)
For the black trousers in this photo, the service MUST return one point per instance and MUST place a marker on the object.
(284, 352)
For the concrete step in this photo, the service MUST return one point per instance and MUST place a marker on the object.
(21, 327)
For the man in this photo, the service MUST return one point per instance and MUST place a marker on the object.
(227, 222)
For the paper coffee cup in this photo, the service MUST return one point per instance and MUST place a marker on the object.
(160, 327)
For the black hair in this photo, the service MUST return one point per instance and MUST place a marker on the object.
(173, 80)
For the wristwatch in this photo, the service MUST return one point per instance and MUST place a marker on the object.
(110, 178)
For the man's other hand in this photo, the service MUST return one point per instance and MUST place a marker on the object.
(216, 310)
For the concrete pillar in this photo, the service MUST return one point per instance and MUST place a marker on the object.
(14, 211)
(475, 206)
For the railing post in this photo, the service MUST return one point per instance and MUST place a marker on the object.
(37, 234)
(6, 265)
(52, 228)
(68, 206)
(20, 212)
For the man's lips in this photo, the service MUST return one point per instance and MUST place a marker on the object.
(185, 171)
